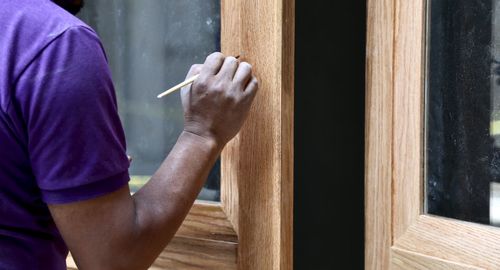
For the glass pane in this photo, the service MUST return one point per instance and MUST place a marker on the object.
(150, 46)
(463, 110)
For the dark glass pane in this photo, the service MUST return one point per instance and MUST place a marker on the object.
(150, 46)
(463, 110)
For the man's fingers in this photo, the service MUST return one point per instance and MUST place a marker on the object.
(243, 75)
(229, 67)
(251, 89)
(195, 69)
(213, 63)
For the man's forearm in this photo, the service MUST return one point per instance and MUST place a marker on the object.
(137, 228)
(162, 204)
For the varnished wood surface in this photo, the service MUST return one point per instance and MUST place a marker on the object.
(408, 114)
(257, 165)
(378, 146)
(207, 220)
(190, 253)
(402, 259)
(452, 240)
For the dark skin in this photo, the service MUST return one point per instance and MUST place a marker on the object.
(124, 231)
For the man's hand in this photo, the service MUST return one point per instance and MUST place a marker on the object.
(217, 104)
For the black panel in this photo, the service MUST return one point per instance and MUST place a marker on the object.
(329, 134)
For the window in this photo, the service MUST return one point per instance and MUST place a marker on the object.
(404, 125)
(150, 46)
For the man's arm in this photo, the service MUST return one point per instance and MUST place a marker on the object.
(120, 231)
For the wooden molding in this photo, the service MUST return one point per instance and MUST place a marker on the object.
(403, 259)
(453, 240)
(408, 136)
(257, 166)
(207, 220)
(378, 145)
(192, 253)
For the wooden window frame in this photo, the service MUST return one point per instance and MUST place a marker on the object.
(251, 228)
(399, 234)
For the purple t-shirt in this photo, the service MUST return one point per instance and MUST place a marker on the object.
(61, 139)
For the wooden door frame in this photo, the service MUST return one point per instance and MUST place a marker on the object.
(398, 233)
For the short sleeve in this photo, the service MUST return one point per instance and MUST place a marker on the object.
(76, 142)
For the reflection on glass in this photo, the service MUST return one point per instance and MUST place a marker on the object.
(150, 46)
(463, 110)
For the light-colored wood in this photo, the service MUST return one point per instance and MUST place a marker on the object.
(402, 259)
(419, 241)
(453, 240)
(408, 114)
(378, 154)
(189, 253)
(231, 43)
(257, 166)
(207, 221)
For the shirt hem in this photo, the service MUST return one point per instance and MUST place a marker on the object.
(86, 192)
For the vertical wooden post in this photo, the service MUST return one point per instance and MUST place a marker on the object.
(378, 152)
(257, 168)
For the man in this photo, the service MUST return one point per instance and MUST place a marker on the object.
(63, 165)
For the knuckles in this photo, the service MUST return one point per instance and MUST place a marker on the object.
(246, 65)
(232, 100)
(212, 84)
(196, 68)
(215, 56)
(219, 86)
(203, 83)
(231, 59)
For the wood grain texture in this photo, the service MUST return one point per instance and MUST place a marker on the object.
(402, 259)
(207, 220)
(231, 43)
(408, 114)
(257, 164)
(378, 130)
(287, 131)
(190, 253)
(418, 241)
(457, 241)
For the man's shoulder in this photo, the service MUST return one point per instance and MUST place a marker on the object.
(30, 25)
(28, 28)
(42, 16)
